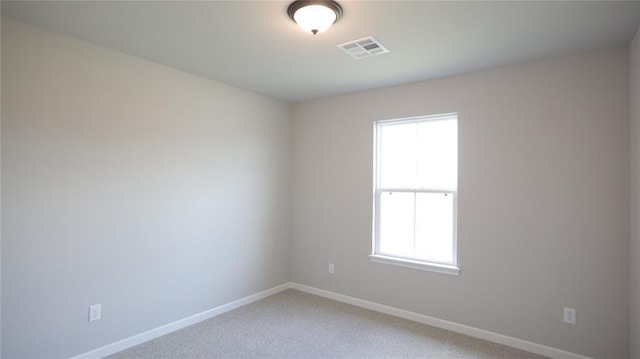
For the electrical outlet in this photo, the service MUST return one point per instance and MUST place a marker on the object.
(331, 268)
(95, 312)
(570, 316)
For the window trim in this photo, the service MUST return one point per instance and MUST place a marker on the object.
(414, 264)
(432, 266)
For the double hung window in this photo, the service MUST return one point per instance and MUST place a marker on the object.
(415, 199)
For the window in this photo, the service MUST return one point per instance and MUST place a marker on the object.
(415, 199)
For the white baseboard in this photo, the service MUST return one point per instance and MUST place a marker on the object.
(179, 324)
(443, 324)
(420, 318)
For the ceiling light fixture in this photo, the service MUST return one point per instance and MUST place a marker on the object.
(315, 16)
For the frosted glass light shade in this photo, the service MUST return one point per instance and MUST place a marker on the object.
(314, 16)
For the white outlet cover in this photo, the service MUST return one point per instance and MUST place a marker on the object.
(570, 316)
(95, 312)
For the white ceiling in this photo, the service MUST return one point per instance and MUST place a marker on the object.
(255, 46)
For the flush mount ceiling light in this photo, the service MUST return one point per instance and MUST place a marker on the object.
(314, 16)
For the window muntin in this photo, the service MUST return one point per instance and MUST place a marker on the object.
(416, 191)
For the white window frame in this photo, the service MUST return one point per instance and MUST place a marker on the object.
(432, 266)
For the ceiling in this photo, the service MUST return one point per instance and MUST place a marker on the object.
(255, 46)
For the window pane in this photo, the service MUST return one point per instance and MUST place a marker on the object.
(418, 159)
(397, 156)
(437, 154)
(396, 223)
(434, 227)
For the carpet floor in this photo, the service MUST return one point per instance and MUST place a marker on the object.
(293, 324)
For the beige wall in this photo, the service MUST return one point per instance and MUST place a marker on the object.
(634, 50)
(153, 192)
(543, 200)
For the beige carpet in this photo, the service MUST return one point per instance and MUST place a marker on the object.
(292, 324)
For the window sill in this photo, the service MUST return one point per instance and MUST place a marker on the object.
(425, 266)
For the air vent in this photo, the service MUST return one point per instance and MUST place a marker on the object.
(365, 47)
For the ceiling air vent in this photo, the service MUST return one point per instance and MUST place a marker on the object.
(365, 47)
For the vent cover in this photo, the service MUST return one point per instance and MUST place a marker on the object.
(365, 47)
